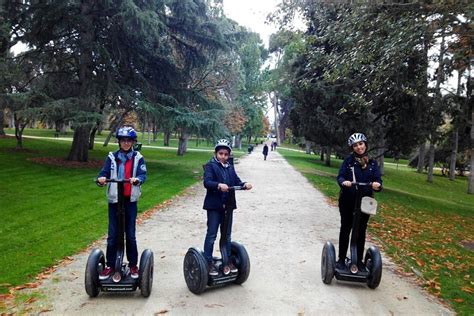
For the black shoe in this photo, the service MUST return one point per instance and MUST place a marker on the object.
(212, 270)
(341, 264)
(361, 266)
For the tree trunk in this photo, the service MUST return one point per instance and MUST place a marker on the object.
(454, 152)
(380, 155)
(183, 143)
(421, 159)
(238, 142)
(470, 181)
(307, 144)
(328, 156)
(431, 154)
(155, 132)
(92, 137)
(166, 138)
(275, 110)
(470, 104)
(2, 118)
(19, 128)
(80, 144)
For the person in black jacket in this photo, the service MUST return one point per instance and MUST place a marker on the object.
(265, 152)
(365, 170)
(219, 175)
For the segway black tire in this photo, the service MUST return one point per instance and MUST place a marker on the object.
(146, 272)
(373, 262)
(242, 261)
(328, 262)
(95, 262)
(195, 270)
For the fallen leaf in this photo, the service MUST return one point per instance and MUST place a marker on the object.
(458, 300)
(163, 311)
(31, 300)
(467, 289)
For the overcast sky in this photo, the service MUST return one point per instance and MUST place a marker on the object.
(252, 14)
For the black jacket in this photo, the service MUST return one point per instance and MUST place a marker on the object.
(215, 173)
(369, 174)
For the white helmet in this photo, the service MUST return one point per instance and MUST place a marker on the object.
(223, 143)
(355, 138)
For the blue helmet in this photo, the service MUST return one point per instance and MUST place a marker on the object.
(126, 131)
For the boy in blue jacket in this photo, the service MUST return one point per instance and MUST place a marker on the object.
(219, 175)
(123, 164)
(365, 170)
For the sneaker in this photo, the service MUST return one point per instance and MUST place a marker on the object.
(134, 272)
(341, 265)
(106, 273)
(226, 270)
(233, 268)
(212, 270)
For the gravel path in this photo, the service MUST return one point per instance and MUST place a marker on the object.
(283, 223)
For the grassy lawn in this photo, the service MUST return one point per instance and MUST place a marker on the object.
(422, 226)
(143, 138)
(51, 212)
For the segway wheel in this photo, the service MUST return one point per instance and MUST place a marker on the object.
(373, 262)
(195, 270)
(242, 261)
(146, 272)
(95, 264)
(328, 262)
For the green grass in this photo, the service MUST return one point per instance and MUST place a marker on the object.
(50, 212)
(193, 142)
(420, 225)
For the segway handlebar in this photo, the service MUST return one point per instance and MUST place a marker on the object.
(362, 183)
(237, 187)
(114, 181)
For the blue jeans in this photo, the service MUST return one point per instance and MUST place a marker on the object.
(214, 219)
(112, 239)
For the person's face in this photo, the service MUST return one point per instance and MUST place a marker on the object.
(125, 143)
(222, 155)
(359, 148)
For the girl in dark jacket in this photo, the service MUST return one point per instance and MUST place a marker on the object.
(365, 170)
(219, 175)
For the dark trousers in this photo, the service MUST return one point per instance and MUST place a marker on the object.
(113, 238)
(214, 219)
(346, 208)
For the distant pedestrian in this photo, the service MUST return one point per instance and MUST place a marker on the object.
(274, 145)
(265, 152)
(250, 148)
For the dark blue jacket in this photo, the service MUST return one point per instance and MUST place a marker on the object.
(369, 174)
(215, 173)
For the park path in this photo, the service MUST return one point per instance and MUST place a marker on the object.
(283, 223)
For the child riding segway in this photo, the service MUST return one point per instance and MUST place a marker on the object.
(200, 268)
(124, 171)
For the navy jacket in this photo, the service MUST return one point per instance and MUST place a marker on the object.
(369, 174)
(215, 173)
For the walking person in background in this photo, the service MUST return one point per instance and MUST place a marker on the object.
(265, 151)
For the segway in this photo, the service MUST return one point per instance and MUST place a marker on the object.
(195, 264)
(120, 280)
(372, 273)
